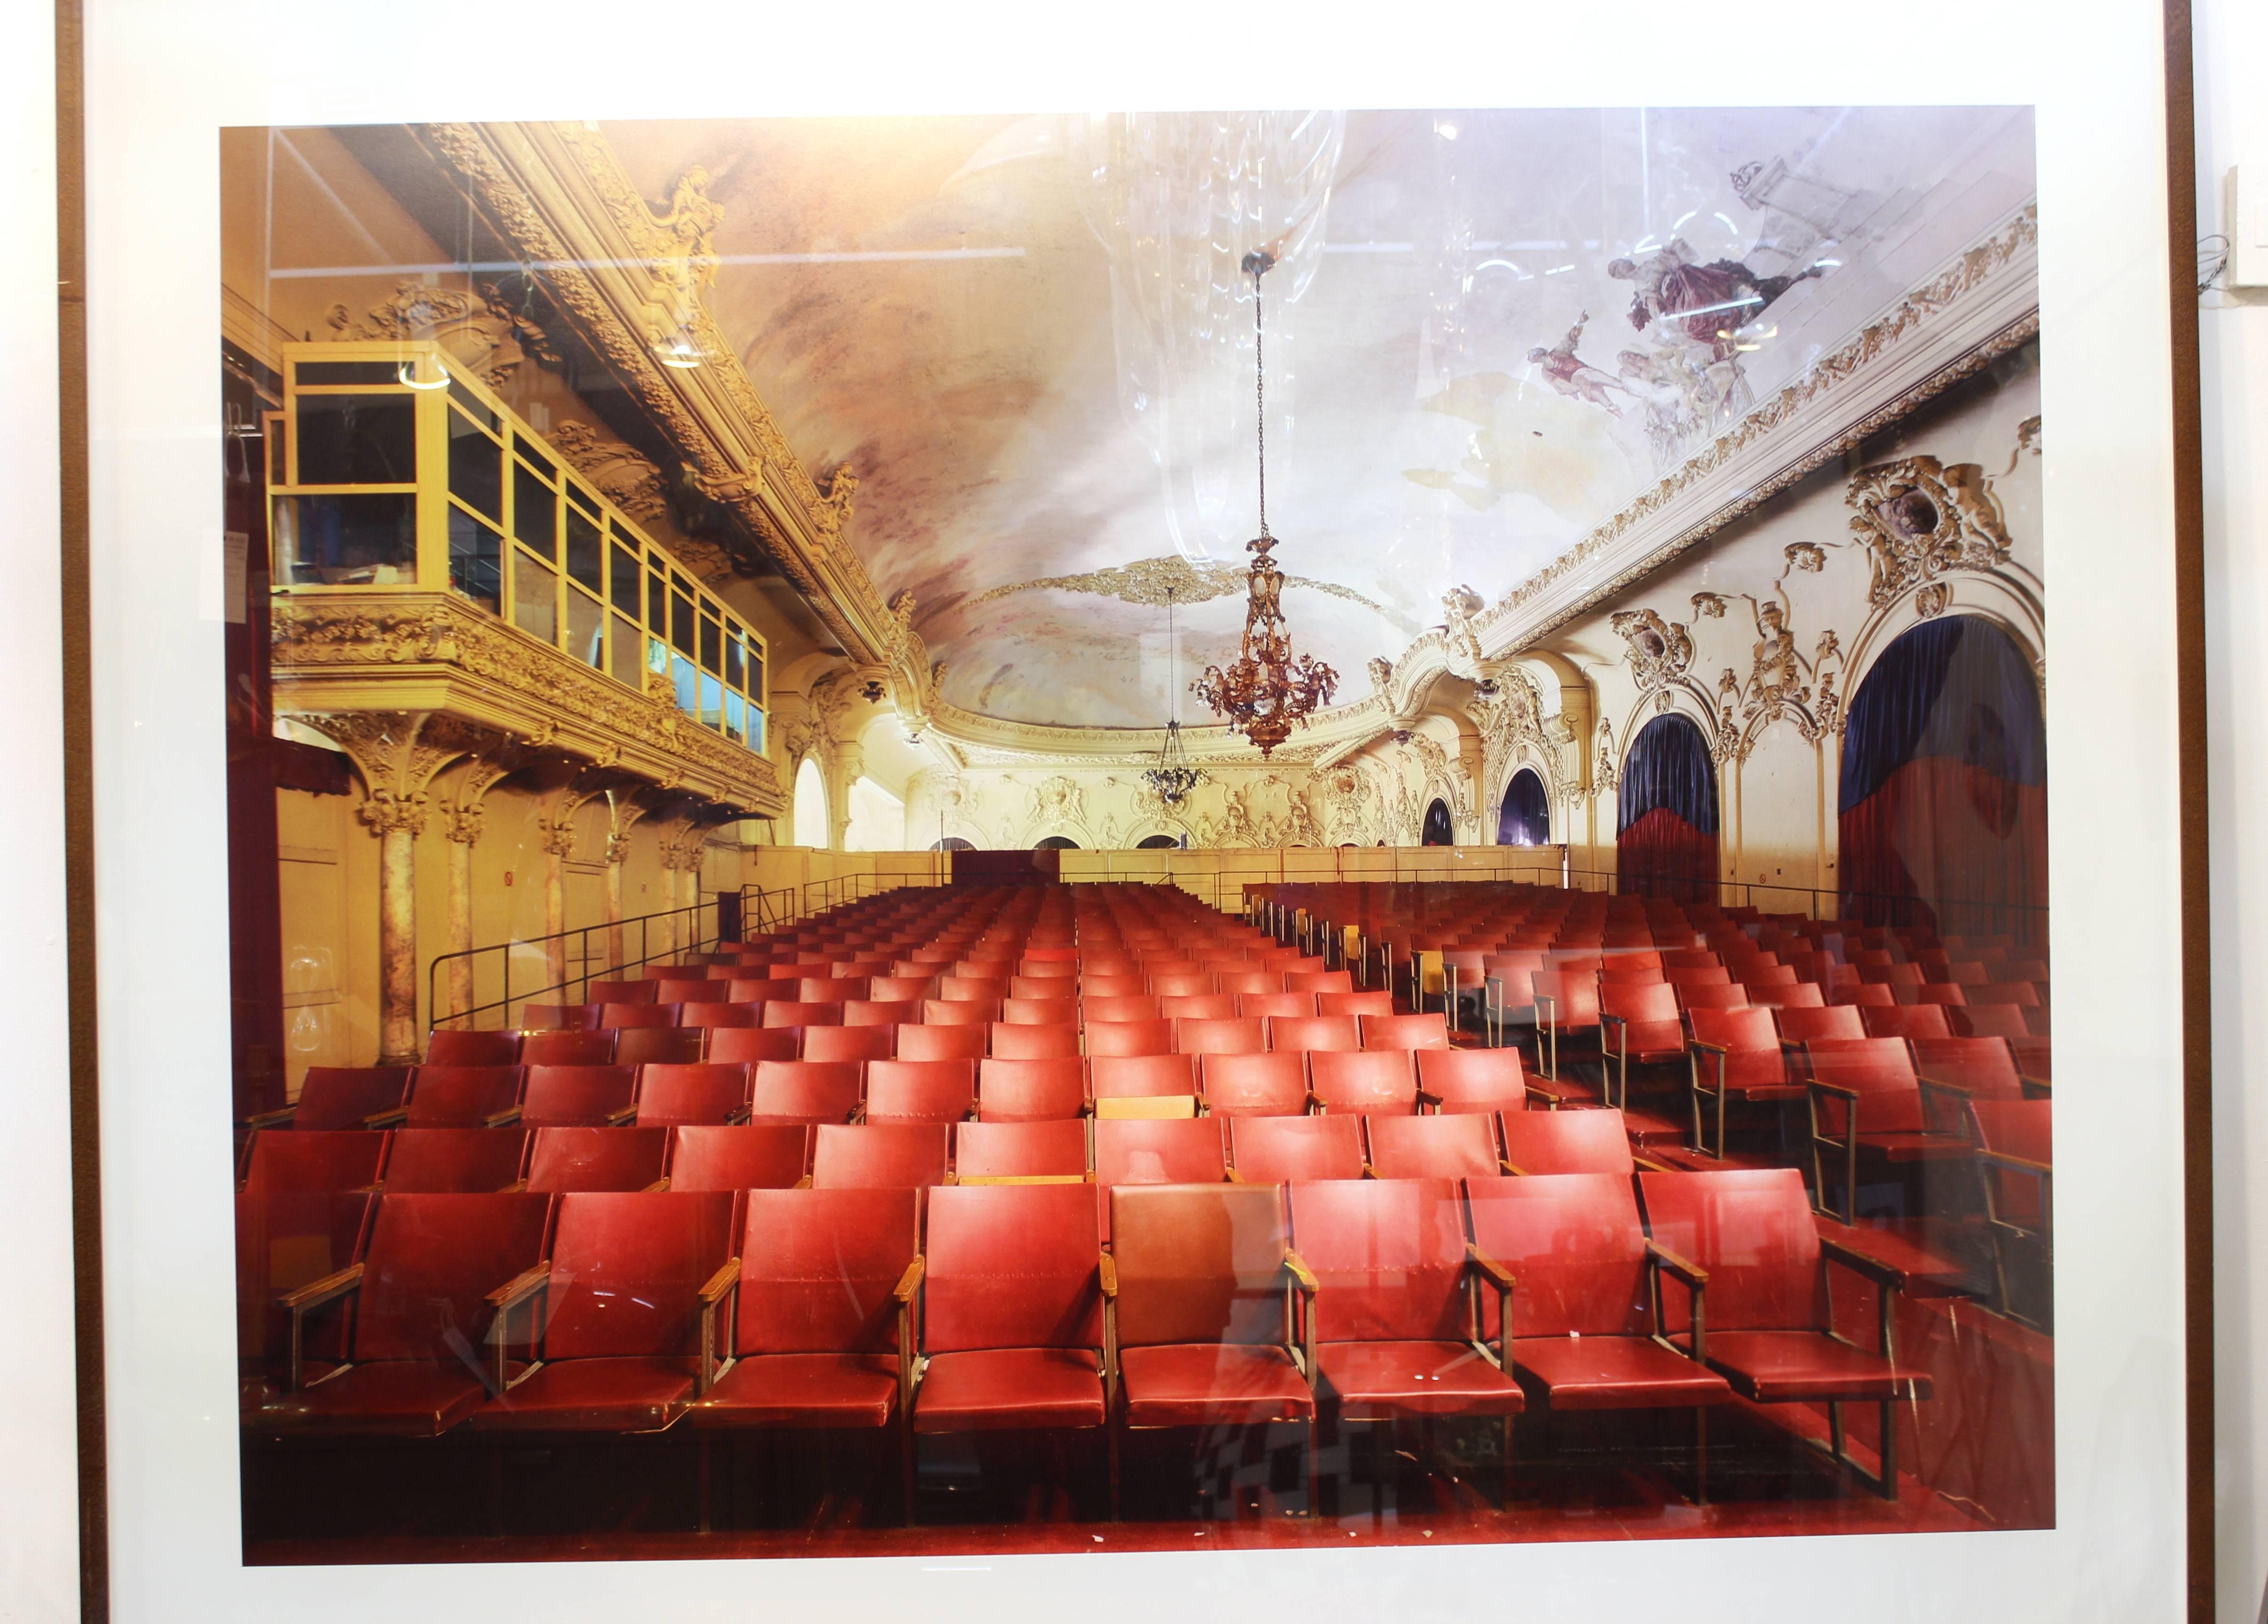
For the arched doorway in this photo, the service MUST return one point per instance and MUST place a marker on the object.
(1056, 842)
(1157, 842)
(811, 826)
(1438, 829)
(1526, 817)
(1665, 817)
(1943, 798)
(952, 843)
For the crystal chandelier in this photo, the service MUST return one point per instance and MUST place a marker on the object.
(1173, 777)
(1267, 689)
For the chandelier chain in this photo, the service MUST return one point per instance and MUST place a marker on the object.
(1259, 263)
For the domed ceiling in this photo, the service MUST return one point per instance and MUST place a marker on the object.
(1487, 331)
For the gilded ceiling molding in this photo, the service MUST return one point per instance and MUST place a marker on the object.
(378, 651)
(633, 282)
(1147, 582)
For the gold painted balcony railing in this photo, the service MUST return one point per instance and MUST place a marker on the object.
(432, 553)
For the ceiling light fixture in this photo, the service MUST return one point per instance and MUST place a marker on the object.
(1173, 777)
(1267, 688)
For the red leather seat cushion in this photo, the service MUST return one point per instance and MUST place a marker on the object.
(1375, 1381)
(1566, 1091)
(1614, 1373)
(802, 1390)
(994, 1389)
(1771, 1366)
(394, 1398)
(1212, 1383)
(593, 1395)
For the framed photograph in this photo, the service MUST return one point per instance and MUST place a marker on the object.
(739, 919)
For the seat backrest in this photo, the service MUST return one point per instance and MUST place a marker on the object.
(1740, 1030)
(1905, 1020)
(854, 1045)
(1367, 1081)
(1791, 995)
(596, 1158)
(879, 1155)
(1056, 1042)
(1698, 975)
(1566, 1142)
(432, 1263)
(671, 1095)
(719, 1016)
(1836, 1021)
(754, 1156)
(1012, 1090)
(1040, 1012)
(1198, 1264)
(285, 1239)
(1370, 1001)
(1752, 1230)
(1122, 1076)
(1054, 1149)
(454, 1161)
(1473, 1080)
(898, 990)
(639, 991)
(1126, 1038)
(462, 1096)
(560, 1016)
(1881, 1070)
(881, 1012)
(335, 1097)
(566, 1049)
(335, 1159)
(1574, 1242)
(744, 1045)
(1220, 1035)
(1118, 1007)
(1013, 1265)
(577, 1095)
(1388, 1255)
(1254, 1084)
(802, 1013)
(680, 1047)
(1989, 1020)
(1984, 1066)
(1638, 1002)
(1728, 997)
(2019, 1127)
(1318, 982)
(1574, 997)
(1181, 982)
(928, 1042)
(631, 1016)
(1186, 1007)
(818, 1268)
(1405, 1032)
(1433, 1147)
(1189, 1150)
(1276, 1006)
(1311, 1032)
(626, 1271)
(920, 1090)
(805, 1091)
(1101, 985)
(1282, 1150)
(448, 1048)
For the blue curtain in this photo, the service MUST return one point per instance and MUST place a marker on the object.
(1670, 769)
(1901, 711)
(1526, 819)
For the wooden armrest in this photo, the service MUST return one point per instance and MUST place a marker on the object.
(1706, 1047)
(1297, 1268)
(655, 1188)
(1106, 1269)
(502, 1118)
(718, 1284)
(2037, 1087)
(2001, 1158)
(1836, 1089)
(269, 1118)
(520, 1288)
(910, 1280)
(621, 1118)
(1882, 1274)
(1662, 1258)
(1234, 1177)
(1510, 1171)
(395, 1118)
(1498, 1274)
(335, 1284)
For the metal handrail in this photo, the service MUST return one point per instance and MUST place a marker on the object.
(760, 913)
(581, 934)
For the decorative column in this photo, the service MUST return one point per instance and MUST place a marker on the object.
(398, 753)
(462, 820)
(625, 813)
(846, 767)
(558, 842)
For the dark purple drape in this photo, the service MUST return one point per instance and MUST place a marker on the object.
(1943, 803)
(1525, 819)
(1666, 833)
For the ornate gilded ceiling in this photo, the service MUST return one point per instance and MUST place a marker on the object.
(1508, 330)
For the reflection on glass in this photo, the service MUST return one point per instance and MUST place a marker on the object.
(475, 561)
(535, 596)
(624, 661)
(680, 623)
(712, 702)
(358, 439)
(736, 717)
(736, 665)
(349, 539)
(586, 629)
(625, 583)
(534, 512)
(475, 468)
(686, 680)
(586, 552)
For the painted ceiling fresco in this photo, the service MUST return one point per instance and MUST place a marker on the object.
(1486, 332)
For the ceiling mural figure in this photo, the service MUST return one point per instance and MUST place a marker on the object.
(1574, 377)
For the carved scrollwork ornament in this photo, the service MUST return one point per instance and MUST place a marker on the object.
(1918, 518)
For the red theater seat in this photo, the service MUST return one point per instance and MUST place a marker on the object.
(580, 1096)
(566, 1049)
(663, 1046)
(1906, 1020)
(926, 1042)
(1375, 1001)
(343, 1159)
(823, 1332)
(1187, 1151)
(640, 991)
(1186, 1007)
(1058, 1042)
(1765, 1328)
(670, 1096)
(1725, 997)
(2015, 1162)
(1029, 1150)
(1307, 1034)
(1481, 1081)
(596, 1158)
(1736, 1055)
(1011, 1089)
(1279, 1150)
(1867, 1101)
(1566, 1142)
(759, 1155)
(633, 1282)
(1433, 1147)
(333, 1098)
(1040, 1012)
(1566, 1011)
(1989, 1020)
(1254, 1084)
(1390, 1315)
(1228, 1035)
(454, 1161)
(472, 1048)
(1798, 1027)
(1276, 1006)
(921, 1091)
(1957, 1070)
(286, 1241)
(746, 1045)
(1405, 1032)
(1129, 1038)
(632, 1017)
(1318, 982)
(1638, 1022)
(717, 1016)
(1368, 1082)
(879, 1155)
(803, 1012)
(850, 1045)
(1203, 1318)
(464, 1096)
(1011, 1311)
(438, 1270)
(804, 1092)
(560, 1016)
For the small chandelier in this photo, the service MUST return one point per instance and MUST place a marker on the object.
(1267, 689)
(1173, 777)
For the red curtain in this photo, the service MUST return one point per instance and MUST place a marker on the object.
(1973, 843)
(1662, 854)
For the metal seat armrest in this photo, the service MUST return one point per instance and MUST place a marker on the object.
(299, 1304)
(394, 1118)
(713, 1291)
(1934, 1092)
(502, 1118)
(1661, 1260)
